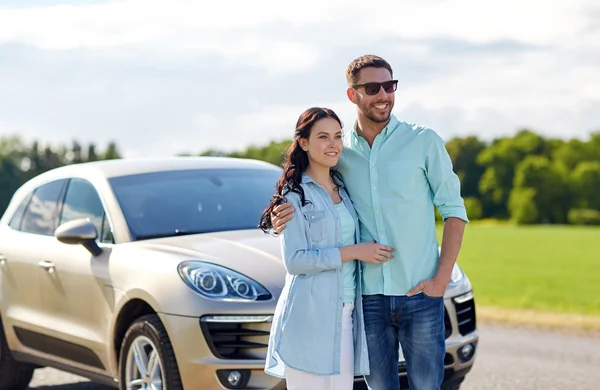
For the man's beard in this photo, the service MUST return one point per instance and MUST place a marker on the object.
(378, 119)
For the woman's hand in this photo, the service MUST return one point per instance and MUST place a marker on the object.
(369, 252)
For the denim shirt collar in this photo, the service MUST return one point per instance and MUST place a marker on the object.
(308, 179)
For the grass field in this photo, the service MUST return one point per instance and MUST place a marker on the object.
(547, 268)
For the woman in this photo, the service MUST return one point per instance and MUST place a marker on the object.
(317, 339)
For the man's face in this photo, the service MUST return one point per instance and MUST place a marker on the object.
(378, 107)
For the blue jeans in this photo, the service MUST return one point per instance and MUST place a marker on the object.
(417, 323)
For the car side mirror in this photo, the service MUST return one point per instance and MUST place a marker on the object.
(79, 231)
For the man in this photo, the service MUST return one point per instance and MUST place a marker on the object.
(395, 172)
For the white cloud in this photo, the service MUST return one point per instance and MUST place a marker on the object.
(197, 24)
(532, 21)
(169, 27)
(227, 74)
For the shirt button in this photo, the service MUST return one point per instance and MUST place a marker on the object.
(382, 236)
(372, 164)
(377, 212)
(374, 187)
(385, 264)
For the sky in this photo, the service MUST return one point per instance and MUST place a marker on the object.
(181, 76)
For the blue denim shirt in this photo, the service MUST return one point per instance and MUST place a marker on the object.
(307, 324)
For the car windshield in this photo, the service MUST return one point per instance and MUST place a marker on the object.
(163, 204)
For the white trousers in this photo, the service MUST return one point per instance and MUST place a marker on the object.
(300, 380)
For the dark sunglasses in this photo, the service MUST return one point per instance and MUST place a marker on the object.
(373, 88)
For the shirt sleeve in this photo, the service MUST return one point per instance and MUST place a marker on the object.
(444, 183)
(297, 258)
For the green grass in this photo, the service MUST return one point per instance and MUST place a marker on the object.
(548, 268)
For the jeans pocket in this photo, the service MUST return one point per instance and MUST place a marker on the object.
(431, 296)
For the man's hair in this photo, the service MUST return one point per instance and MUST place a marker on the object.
(365, 61)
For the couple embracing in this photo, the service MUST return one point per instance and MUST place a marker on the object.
(355, 216)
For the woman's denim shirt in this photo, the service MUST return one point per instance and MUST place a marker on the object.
(307, 325)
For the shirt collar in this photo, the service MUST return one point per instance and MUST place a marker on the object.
(308, 179)
(387, 130)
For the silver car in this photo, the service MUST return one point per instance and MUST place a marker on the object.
(151, 274)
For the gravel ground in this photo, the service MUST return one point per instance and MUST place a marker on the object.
(507, 358)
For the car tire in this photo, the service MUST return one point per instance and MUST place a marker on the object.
(13, 374)
(147, 338)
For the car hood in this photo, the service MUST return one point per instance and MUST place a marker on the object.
(250, 252)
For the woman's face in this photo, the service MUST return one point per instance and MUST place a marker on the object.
(324, 145)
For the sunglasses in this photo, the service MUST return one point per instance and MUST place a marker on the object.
(373, 88)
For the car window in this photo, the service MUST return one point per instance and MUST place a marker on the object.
(107, 234)
(41, 213)
(81, 202)
(15, 221)
(159, 204)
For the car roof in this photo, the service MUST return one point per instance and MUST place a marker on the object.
(133, 166)
(99, 171)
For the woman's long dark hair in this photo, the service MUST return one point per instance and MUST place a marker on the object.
(295, 164)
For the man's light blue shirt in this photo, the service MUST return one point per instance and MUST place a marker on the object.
(394, 186)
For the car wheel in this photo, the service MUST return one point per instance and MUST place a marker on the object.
(147, 359)
(13, 375)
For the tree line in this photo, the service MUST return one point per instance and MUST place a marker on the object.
(21, 161)
(527, 178)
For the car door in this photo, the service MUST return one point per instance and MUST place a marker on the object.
(21, 242)
(76, 292)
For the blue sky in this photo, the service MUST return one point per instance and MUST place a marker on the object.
(163, 77)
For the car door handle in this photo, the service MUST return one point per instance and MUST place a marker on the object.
(3, 260)
(47, 265)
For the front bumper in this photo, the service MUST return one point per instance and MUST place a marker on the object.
(462, 337)
(206, 355)
(208, 349)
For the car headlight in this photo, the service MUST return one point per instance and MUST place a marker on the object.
(457, 274)
(217, 282)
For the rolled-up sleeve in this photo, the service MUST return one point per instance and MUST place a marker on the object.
(444, 183)
(297, 258)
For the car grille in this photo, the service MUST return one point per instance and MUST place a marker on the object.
(236, 340)
(465, 315)
(447, 324)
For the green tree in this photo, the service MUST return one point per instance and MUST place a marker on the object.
(551, 196)
(52, 158)
(12, 155)
(112, 152)
(10, 181)
(91, 153)
(212, 153)
(12, 148)
(521, 204)
(586, 184)
(500, 160)
(76, 153)
(474, 209)
(572, 153)
(273, 153)
(464, 152)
